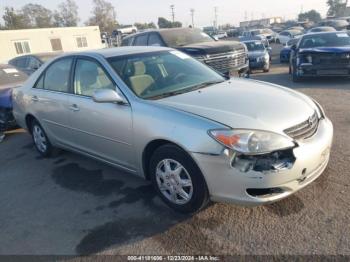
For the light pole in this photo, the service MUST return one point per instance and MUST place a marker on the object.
(192, 16)
(172, 7)
(215, 16)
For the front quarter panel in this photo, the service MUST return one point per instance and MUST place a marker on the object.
(152, 121)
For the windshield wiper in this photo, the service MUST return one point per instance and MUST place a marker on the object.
(186, 90)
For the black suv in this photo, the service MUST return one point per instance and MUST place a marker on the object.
(226, 57)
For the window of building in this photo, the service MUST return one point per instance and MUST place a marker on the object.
(22, 47)
(56, 44)
(81, 41)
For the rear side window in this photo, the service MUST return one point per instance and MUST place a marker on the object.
(127, 41)
(155, 40)
(22, 62)
(57, 75)
(141, 40)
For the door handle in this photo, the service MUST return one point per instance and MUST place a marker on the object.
(74, 108)
(35, 99)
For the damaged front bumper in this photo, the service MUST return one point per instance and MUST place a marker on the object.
(270, 178)
(310, 70)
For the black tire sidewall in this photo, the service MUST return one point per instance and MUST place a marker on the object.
(200, 195)
(48, 151)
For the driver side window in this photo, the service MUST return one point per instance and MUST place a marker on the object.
(89, 76)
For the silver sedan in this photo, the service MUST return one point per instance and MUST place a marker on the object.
(159, 114)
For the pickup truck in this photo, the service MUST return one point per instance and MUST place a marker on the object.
(226, 57)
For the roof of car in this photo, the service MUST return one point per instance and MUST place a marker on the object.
(40, 55)
(326, 33)
(124, 50)
(161, 30)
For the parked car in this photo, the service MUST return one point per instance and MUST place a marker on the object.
(337, 24)
(127, 29)
(287, 35)
(259, 57)
(321, 54)
(287, 49)
(10, 78)
(251, 34)
(160, 114)
(297, 28)
(227, 57)
(30, 63)
(322, 29)
(220, 35)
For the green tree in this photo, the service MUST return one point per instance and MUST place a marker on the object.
(336, 7)
(311, 15)
(164, 23)
(13, 19)
(143, 26)
(67, 14)
(103, 15)
(37, 16)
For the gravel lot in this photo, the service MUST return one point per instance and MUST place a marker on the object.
(73, 205)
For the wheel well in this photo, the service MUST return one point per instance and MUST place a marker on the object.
(148, 152)
(29, 121)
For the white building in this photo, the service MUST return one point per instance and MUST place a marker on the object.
(265, 22)
(30, 41)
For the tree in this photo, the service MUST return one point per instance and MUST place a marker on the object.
(67, 14)
(103, 15)
(337, 7)
(13, 19)
(311, 15)
(37, 16)
(143, 26)
(164, 23)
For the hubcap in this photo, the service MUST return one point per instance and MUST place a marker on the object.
(174, 181)
(39, 139)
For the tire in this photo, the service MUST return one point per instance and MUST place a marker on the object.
(295, 77)
(266, 69)
(40, 139)
(167, 181)
(278, 41)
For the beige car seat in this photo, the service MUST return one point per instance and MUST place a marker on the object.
(140, 81)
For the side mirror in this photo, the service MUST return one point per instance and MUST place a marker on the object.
(108, 96)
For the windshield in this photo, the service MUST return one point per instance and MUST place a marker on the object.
(184, 36)
(256, 32)
(325, 40)
(10, 75)
(160, 74)
(255, 46)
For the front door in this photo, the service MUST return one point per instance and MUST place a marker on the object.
(103, 130)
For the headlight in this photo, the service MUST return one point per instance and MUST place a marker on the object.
(251, 142)
(321, 111)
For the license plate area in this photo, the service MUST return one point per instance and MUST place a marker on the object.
(333, 72)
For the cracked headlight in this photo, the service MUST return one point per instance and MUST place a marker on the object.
(251, 142)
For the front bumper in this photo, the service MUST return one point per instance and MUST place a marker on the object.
(228, 184)
(257, 65)
(310, 70)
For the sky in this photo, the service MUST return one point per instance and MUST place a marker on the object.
(229, 11)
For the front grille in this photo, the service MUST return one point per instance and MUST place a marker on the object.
(330, 59)
(224, 62)
(305, 129)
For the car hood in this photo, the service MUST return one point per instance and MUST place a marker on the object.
(255, 54)
(242, 103)
(342, 49)
(212, 47)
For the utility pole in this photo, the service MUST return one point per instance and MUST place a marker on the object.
(215, 16)
(172, 7)
(192, 16)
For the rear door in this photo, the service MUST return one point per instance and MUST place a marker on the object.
(49, 101)
(103, 130)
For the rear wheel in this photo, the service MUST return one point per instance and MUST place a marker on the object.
(278, 41)
(41, 141)
(178, 180)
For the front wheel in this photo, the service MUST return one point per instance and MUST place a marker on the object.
(178, 180)
(41, 141)
(295, 77)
